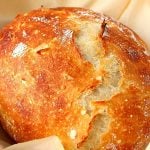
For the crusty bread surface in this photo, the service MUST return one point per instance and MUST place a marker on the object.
(76, 74)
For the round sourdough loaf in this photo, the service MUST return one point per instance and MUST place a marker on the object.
(75, 74)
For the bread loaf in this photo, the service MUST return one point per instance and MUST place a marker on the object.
(75, 74)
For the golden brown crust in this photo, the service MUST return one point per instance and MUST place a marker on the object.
(43, 74)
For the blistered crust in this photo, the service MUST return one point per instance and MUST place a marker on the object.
(54, 83)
